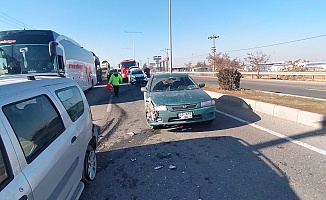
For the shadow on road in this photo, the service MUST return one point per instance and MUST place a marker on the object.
(205, 168)
(127, 93)
(234, 103)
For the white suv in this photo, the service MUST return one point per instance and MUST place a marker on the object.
(47, 138)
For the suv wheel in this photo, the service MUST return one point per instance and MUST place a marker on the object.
(90, 165)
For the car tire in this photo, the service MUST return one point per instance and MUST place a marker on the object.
(90, 164)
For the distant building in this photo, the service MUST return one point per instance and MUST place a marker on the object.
(179, 69)
(314, 66)
(286, 66)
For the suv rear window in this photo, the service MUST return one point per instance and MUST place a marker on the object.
(36, 123)
(72, 101)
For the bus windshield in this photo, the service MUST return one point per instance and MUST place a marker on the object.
(23, 59)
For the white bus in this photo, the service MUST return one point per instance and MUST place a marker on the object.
(46, 52)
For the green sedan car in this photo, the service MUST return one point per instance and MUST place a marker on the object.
(175, 98)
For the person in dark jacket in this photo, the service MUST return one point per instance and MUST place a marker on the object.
(115, 80)
(147, 72)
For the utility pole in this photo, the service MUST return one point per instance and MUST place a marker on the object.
(170, 35)
(213, 37)
(133, 40)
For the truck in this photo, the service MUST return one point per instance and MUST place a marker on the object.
(105, 68)
(125, 66)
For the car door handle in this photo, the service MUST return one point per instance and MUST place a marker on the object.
(23, 197)
(73, 139)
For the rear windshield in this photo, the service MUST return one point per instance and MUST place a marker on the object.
(137, 71)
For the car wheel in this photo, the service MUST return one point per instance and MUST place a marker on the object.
(209, 122)
(90, 165)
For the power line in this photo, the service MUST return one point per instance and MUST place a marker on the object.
(269, 45)
(193, 56)
(10, 24)
(14, 22)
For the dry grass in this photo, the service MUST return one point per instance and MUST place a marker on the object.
(301, 103)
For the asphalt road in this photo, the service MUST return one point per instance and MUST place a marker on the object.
(300, 88)
(242, 155)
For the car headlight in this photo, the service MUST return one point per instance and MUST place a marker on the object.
(207, 103)
(161, 108)
(133, 76)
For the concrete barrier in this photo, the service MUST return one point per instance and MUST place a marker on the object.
(299, 116)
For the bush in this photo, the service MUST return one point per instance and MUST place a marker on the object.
(229, 79)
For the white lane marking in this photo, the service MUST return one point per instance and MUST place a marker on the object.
(319, 90)
(323, 152)
(108, 109)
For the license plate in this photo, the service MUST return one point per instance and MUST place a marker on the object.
(185, 115)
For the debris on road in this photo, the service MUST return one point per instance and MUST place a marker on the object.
(131, 133)
(158, 167)
(172, 167)
(133, 159)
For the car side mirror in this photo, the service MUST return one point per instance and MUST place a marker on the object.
(143, 89)
(201, 85)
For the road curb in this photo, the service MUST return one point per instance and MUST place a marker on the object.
(299, 116)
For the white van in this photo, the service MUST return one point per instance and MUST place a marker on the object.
(47, 138)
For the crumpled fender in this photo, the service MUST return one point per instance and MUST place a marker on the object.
(152, 114)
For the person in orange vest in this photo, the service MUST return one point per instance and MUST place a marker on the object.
(115, 80)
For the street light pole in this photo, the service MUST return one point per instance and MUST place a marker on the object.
(133, 40)
(213, 37)
(170, 37)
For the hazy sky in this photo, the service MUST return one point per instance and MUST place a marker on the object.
(101, 26)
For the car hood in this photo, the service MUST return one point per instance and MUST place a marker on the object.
(176, 97)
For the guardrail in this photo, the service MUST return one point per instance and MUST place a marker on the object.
(274, 75)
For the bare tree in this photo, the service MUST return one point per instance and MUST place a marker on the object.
(305, 68)
(228, 75)
(188, 66)
(258, 60)
(294, 65)
(200, 64)
(223, 61)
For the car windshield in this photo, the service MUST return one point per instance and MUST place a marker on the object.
(173, 83)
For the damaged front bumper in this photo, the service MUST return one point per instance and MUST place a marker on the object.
(168, 117)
